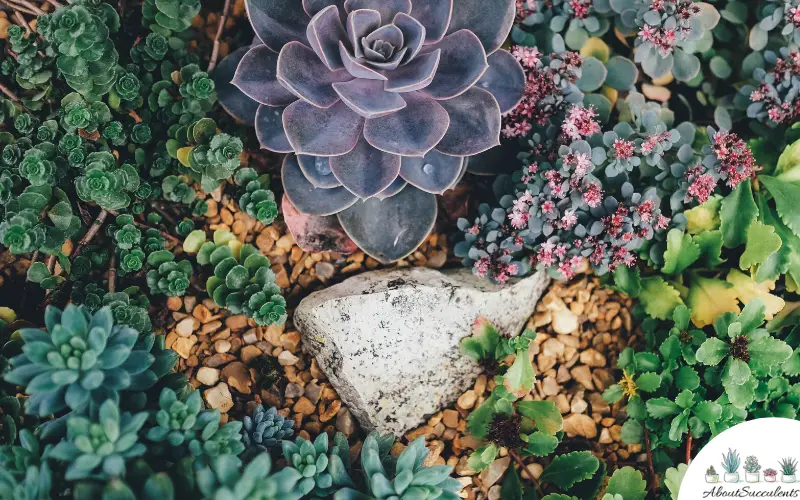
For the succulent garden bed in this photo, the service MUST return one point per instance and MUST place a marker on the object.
(214, 219)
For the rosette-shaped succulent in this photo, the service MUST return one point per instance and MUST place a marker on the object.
(169, 277)
(408, 477)
(179, 421)
(370, 95)
(323, 470)
(167, 16)
(81, 357)
(243, 281)
(225, 478)
(266, 428)
(105, 183)
(257, 200)
(86, 55)
(130, 309)
(216, 440)
(100, 446)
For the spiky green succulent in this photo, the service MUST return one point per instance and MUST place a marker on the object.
(16, 460)
(226, 478)
(243, 281)
(82, 357)
(99, 447)
(256, 200)
(168, 277)
(179, 421)
(35, 485)
(404, 479)
(217, 440)
(266, 428)
(323, 469)
(87, 57)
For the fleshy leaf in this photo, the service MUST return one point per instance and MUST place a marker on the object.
(324, 32)
(490, 20)
(355, 67)
(413, 34)
(395, 187)
(322, 132)
(628, 483)
(368, 98)
(415, 75)
(412, 131)
(365, 171)
(233, 100)
(301, 71)
(308, 199)
(390, 229)
(256, 76)
(474, 124)
(504, 79)
(277, 22)
(433, 173)
(545, 414)
(786, 195)
(387, 8)
(359, 24)
(317, 170)
(519, 377)
(708, 298)
(269, 129)
(461, 65)
(313, 6)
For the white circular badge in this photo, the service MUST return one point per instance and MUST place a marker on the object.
(755, 459)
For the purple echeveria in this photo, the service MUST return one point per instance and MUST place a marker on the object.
(373, 95)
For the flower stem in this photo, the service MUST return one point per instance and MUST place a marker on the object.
(650, 458)
(90, 234)
(522, 465)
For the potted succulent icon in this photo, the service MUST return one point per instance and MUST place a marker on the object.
(770, 475)
(711, 475)
(730, 464)
(788, 469)
(752, 469)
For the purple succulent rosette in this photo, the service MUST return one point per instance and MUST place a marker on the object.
(379, 103)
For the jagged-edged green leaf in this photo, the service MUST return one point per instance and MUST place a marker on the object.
(568, 469)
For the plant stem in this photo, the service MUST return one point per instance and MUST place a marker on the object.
(163, 214)
(93, 229)
(689, 449)
(145, 226)
(112, 270)
(7, 91)
(519, 461)
(650, 458)
(27, 4)
(212, 62)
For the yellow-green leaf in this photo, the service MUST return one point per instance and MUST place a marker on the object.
(659, 298)
(704, 217)
(737, 211)
(708, 298)
(184, 154)
(681, 252)
(761, 243)
(747, 289)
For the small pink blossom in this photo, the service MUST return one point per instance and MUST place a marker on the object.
(580, 122)
(623, 150)
(593, 195)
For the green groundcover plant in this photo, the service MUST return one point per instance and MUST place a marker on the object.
(107, 134)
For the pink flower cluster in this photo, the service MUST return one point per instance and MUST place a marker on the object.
(580, 123)
(780, 100)
(500, 271)
(543, 97)
(580, 8)
(666, 39)
(734, 164)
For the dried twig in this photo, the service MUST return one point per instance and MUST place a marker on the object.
(158, 208)
(212, 62)
(55, 3)
(18, 16)
(28, 5)
(112, 271)
(8, 92)
(93, 229)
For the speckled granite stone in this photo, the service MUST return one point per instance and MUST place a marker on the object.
(388, 340)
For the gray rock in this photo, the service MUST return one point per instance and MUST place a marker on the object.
(389, 340)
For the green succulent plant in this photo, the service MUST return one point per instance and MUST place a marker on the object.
(78, 113)
(243, 281)
(216, 440)
(99, 447)
(179, 421)
(322, 469)
(167, 16)
(168, 277)
(256, 200)
(126, 235)
(265, 428)
(105, 183)
(225, 477)
(36, 484)
(87, 57)
(130, 308)
(177, 190)
(82, 357)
